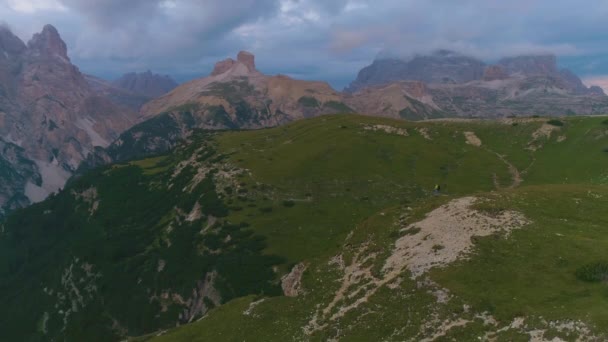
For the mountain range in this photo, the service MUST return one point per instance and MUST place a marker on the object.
(242, 206)
(54, 117)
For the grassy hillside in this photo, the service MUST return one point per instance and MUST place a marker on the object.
(206, 234)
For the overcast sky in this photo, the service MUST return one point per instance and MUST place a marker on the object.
(311, 39)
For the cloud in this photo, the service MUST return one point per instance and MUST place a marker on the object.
(32, 6)
(326, 39)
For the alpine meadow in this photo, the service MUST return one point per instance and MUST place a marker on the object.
(454, 190)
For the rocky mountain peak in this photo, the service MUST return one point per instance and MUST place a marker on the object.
(48, 43)
(243, 58)
(248, 59)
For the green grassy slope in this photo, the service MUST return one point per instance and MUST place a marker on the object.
(531, 274)
(306, 193)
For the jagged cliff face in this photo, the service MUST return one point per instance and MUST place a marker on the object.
(50, 112)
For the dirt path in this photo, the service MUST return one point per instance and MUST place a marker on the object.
(515, 174)
(472, 139)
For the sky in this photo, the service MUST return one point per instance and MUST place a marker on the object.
(327, 40)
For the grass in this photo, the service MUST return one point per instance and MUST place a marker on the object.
(534, 272)
(309, 192)
(544, 269)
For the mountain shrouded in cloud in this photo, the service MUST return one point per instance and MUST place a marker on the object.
(311, 39)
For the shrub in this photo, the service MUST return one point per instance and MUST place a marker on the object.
(289, 203)
(437, 248)
(308, 101)
(265, 209)
(594, 272)
(605, 122)
(555, 122)
(411, 231)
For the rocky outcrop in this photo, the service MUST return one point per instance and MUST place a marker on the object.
(248, 59)
(223, 66)
(18, 172)
(49, 111)
(146, 84)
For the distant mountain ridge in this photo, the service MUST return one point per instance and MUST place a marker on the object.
(146, 83)
(462, 86)
(442, 66)
(447, 67)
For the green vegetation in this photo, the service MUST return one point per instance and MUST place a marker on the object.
(245, 208)
(309, 101)
(594, 272)
(338, 107)
(555, 122)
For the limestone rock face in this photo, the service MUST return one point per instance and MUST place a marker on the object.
(50, 114)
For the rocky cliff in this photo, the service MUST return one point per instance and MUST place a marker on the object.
(49, 114)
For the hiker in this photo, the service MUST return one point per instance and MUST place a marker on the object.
(437, 189)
